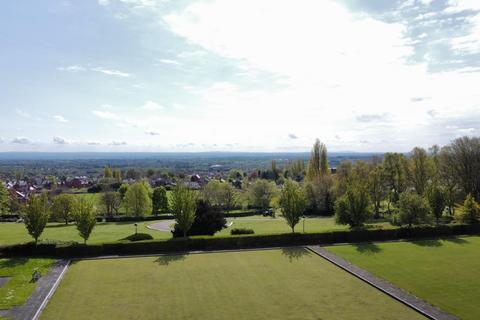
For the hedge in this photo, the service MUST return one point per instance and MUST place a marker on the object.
(232, 243)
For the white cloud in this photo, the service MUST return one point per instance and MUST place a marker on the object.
(292, 136)
(59, 140)
(168, 61)
(1, 140)
(72, 68)
(112, 72)
(152, 106)
(470, 42)
(118, 143)
(152, 133)
(93, 143)
(60, 118)
(454, 6)
(106, 115)
(21, 140)
(23, 113)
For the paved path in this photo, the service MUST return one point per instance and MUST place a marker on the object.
(162, 225)
(413, 302)
(37, 301)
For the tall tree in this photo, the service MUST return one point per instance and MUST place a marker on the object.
(4, 199)
(62, 207)
(376, 188)
(110, 202)
(229, 197)
(463, 156)
(159, 200)
(36, 215)
(137, 200)
(413, 209)
(324, 168)
(313, 168)
(436, 200)
(420, 170)
(394, 175)
(85, 218)
(183, 205)
(107, 172)
(292, 203)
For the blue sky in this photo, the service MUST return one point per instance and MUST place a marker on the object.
(226, 75)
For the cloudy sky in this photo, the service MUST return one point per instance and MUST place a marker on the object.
(229, 75)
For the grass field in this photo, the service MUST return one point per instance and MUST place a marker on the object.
(442, 272)
(18, 288)
(11, 233)
(271, 284)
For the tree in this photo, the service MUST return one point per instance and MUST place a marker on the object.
(470, 211)
(229, 197)
(123, 190)
(85, 218)
(111, 202)
(137, 200)
(261, 193)
(462, 156)
(413, 209)
(107, 172)
(394, 175)
(36, 215)
(420, 170)
(437, 199)
(117, 175)
(353, 208)
(376, 189)
(183, 205)
(4, 199)
(159, 200)
(212, 192)
(62, 207)
(292, 203)
(318, 164)
(208, 220)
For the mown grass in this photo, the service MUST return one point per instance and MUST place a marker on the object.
(272, 284)
(442, 272)
(19, 287)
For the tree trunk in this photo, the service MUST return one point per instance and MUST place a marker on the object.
(293, 229)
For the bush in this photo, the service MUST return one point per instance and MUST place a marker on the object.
(469, 212)
(353, 208)
(413, 209)
(208, 220)
(138, 237)
(241, 231)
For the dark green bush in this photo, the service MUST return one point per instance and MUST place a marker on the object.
(138, 237)
(241, 231)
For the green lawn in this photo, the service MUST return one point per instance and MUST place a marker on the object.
(18, 288)
(278, 225)
(271, 284)
(11, 233)
(442, 272)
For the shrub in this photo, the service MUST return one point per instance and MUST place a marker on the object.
(469, 212)
(241, 231)
(138, 237)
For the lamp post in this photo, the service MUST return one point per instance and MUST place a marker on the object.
(303, 223)
(136, 225)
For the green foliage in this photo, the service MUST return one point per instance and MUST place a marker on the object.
(108, 173)
(376, 189)
(62, 207)
(85, 217)
(413, 209)
(139, 237)
(111, 202)
(208, 220)
(419, 170)
(318, 164)
(4, 199)
(394, 175)
(292, 203)
(437, 199)
(261, 193)
(159, 200)
(236, 231)
(123, 190)
(137, 200)
(36, 215)
(183, 205)
(470, 211)
(353, 208)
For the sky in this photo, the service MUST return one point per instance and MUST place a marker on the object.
(229, 75)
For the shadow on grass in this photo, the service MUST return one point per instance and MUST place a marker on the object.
(456, 240)
(368, 248)
(428, 243)
(295, 254)
(59, 225)
(12, 262)
(166, 260)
